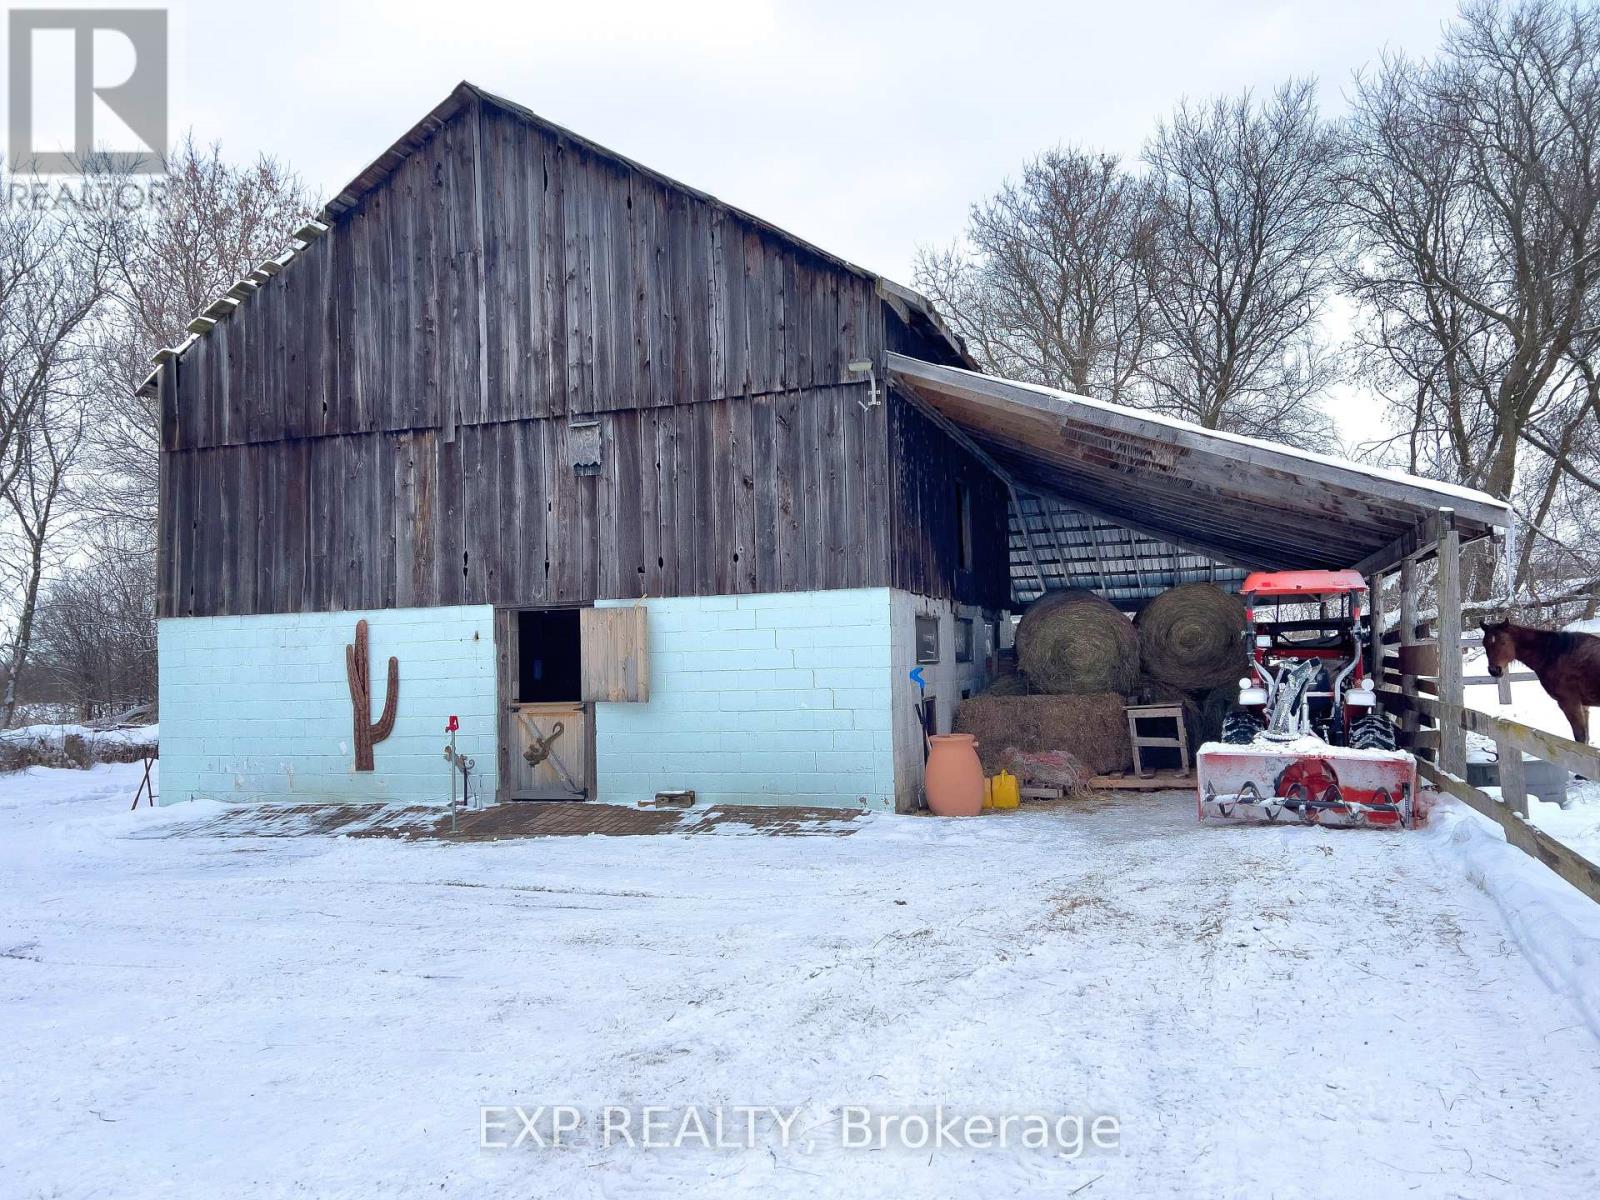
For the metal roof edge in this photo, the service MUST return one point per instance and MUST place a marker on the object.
(1466, 502)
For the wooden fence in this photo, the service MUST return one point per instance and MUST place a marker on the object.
(1418, 668)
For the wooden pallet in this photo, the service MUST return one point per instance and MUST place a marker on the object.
(1155, 781)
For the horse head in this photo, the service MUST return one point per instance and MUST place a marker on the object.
(1499, 645)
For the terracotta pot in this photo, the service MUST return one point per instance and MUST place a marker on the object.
(954, 779)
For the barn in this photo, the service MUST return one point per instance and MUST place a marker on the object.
(644, 493)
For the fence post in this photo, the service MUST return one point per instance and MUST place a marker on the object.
(1513, 785)
(1452, 736)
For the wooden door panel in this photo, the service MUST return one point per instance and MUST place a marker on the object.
(616, 654)
(549, 751)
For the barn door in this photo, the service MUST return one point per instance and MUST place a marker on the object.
(549, 752)
(546, 730)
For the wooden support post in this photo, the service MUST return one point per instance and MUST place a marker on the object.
(1513, 784)
(507, 656)
(1375, 625)
(1452, 737)
(1508, 551)
(1410, 721)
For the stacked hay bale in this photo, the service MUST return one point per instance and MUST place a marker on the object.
(1091, 726)
(1191, 637)
(1014, 684)
(1077, 658)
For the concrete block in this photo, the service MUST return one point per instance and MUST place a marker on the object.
(783, 769)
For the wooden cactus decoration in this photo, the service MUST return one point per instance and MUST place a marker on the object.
(359, 671)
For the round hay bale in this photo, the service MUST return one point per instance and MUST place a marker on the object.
(1192, 637)
(1072, 642)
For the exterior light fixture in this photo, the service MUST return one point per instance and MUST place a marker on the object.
(863, 366)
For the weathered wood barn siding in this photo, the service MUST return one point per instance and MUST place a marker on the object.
(928, 466)
(387, 421)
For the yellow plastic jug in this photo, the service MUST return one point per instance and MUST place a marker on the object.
(1002, 791)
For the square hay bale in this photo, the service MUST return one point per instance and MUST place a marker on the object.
(1091, 726)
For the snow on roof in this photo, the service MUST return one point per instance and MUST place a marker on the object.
(1222, 435)
(1238, 500)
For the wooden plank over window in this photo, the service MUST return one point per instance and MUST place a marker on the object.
(616, 653)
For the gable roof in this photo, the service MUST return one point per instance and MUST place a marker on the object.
(912, 307)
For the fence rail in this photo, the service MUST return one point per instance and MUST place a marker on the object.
(1552, 747)
(1509, 811)
(1420, 679)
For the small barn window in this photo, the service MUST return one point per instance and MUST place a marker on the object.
(963, 639)
(616, 653)
(927, 639)
(963, 527)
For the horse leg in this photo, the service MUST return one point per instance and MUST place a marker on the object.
(1577, 714)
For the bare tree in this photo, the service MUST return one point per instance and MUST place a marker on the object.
(53, 277)
(1243, 265)
(1471, 191)
(96, 634)
(1052, 284)
(215, 223)
(35, 539)
(53, 271)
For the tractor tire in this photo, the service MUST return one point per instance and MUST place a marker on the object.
(1372, 732)
(1239, 727)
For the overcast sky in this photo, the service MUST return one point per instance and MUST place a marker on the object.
(864, 128)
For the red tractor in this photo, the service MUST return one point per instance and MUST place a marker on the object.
(1307, 740)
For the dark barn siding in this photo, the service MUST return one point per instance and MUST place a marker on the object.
(375, 427)
(927, 466)
(577, 285)
(748, 494)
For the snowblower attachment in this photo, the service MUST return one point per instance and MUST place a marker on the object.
(1307, 741)
(1307, 780)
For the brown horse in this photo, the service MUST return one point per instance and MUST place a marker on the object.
(1567, 664)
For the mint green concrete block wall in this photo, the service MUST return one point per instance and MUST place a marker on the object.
(258, 708)
(779, 698)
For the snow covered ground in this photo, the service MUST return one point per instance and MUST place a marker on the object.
(1266, 1012)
